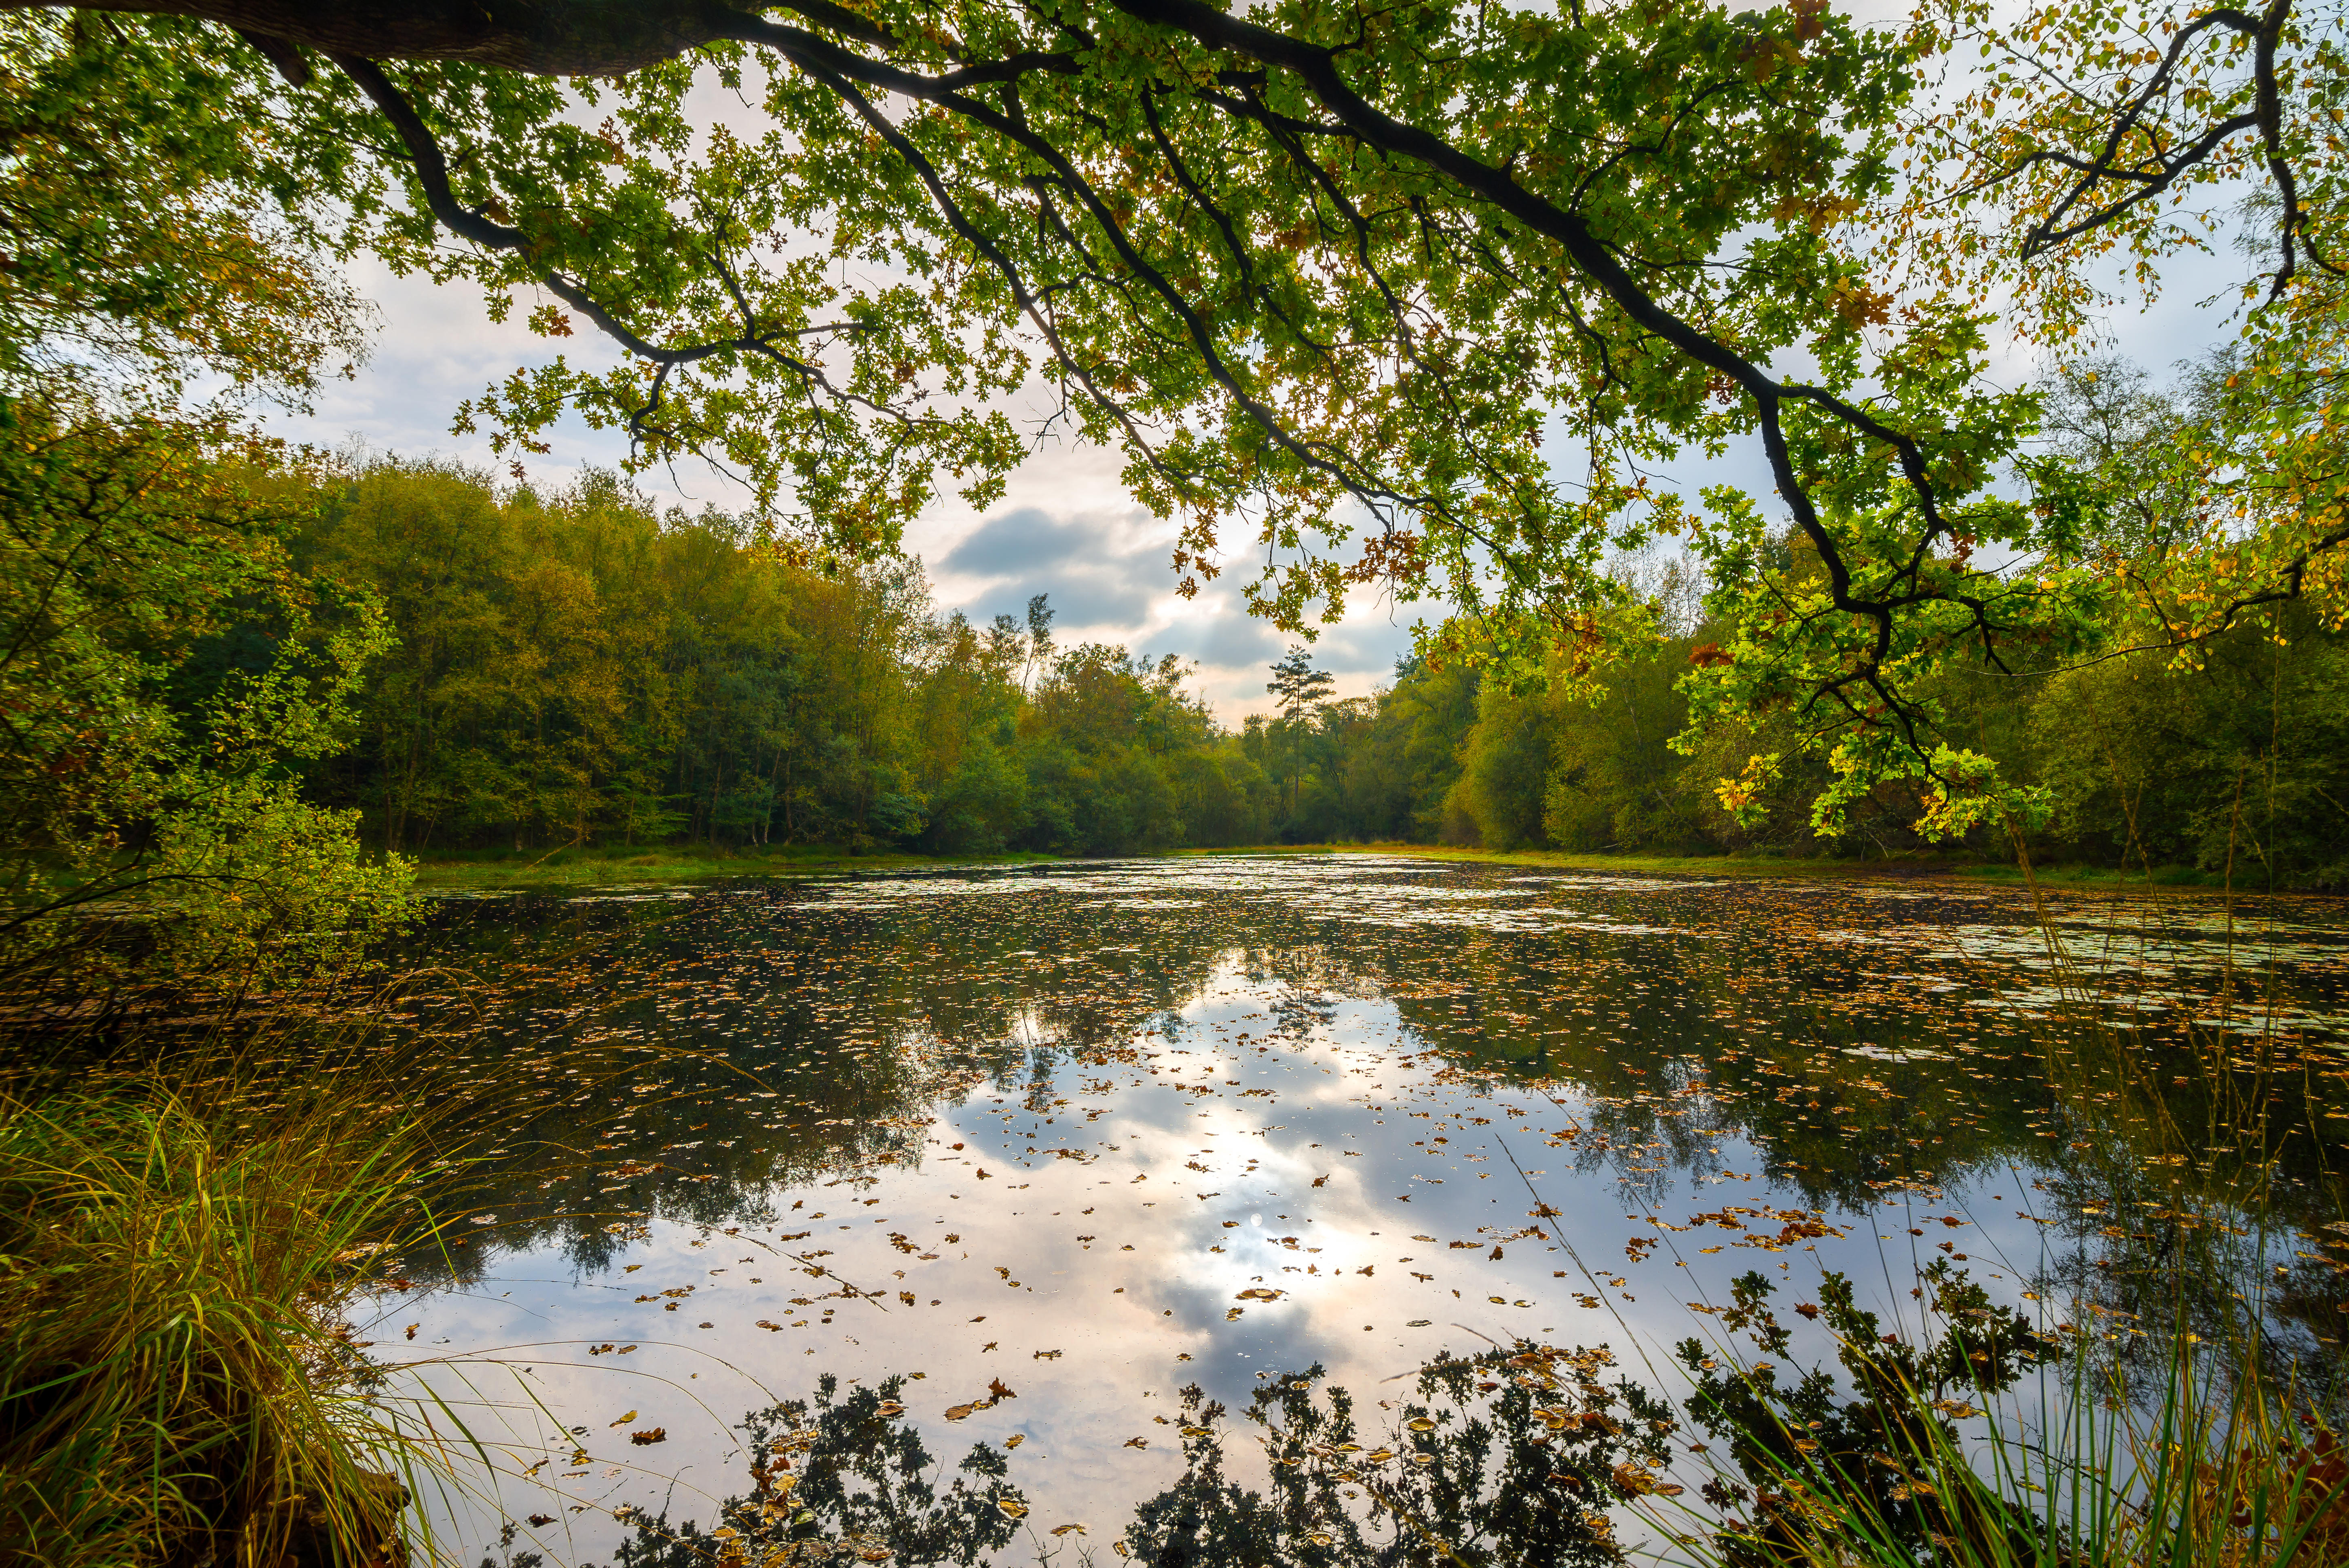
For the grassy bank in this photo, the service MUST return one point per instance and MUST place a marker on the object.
(494, 868)
(587, 867)
(1760, 865)
(489, 869)
(1623, 865)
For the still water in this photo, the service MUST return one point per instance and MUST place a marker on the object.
(1057, 1199)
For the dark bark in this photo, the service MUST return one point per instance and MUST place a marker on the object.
(542, 37)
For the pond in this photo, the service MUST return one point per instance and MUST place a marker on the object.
(1105, 1188)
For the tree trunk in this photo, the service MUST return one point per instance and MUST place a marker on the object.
(540, 37)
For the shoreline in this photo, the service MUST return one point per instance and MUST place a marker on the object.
(568, 868)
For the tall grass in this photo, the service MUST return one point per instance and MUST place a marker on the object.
(2184, 1438)
(2214, 1473)
(177, 1382)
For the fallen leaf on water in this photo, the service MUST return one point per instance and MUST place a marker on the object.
(625, 1419)
(1065, 1528)
(1015, 1440)
(995, 1389)
(646, 1438)
(957, 1412)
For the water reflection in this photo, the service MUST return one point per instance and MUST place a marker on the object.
(1510, 1456)
(1124, 1140)
(837, 1478)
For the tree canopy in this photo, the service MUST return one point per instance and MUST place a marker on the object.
(1414, 295)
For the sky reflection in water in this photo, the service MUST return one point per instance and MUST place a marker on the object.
(1094, 1133)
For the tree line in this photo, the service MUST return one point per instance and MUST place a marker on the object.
(581, 669)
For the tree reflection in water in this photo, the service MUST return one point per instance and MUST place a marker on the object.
(843, 1480)
(1509, 1458)
(1879, 1445)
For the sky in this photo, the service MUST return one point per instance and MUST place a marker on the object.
(1066, 527)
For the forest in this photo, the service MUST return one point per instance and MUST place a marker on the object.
(582, 670)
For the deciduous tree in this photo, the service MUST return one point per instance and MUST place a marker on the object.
(1408, 294)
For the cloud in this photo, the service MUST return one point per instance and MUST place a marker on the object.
(1020, 542)
(1234, 639)
(1067, 526)
(1101, 568)
(1364, 646)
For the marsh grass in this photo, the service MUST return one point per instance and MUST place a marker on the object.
(178, 1377)
(2214, 1473)
(2171, 1427)
(180, 1244)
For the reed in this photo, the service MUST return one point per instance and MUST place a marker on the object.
(2215, 1473)
(179, 1249)
(2181, 1437)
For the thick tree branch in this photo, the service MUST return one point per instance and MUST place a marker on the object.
(543, 37)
